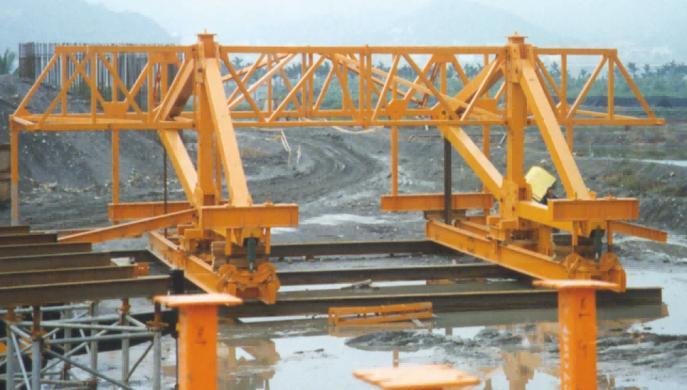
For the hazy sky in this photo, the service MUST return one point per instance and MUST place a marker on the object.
(186, 18)
(651, 30)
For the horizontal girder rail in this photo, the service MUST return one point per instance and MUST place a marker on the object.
(16, 229)
(320, 301)
(54, 261)
(66, 275)
(56, 273)
(42, 249)
(388, 273)
(27, 238)
(314, 86)
(145, 286)
(343, 248)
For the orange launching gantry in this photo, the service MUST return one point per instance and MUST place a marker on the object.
(222, 241)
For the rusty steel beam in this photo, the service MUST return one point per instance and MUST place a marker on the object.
(422, 272)
(27, 238)
(66, 275)
(43, 249)
(342, 248)
(14, 229)
(147, 286)
(54, 261)
(442, 302)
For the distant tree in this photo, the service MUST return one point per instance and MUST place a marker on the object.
(555, 71)
(647, 70)
(583, 75)
(472, 69)
(323, 69)
(382, 66)
(238, 62)
(632, 67)
(7, 61)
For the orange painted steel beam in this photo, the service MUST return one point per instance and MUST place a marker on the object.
(197, 329)
(510, 256)
(537, 212)
(632, 229)
(131, 229)
(596, 209)
(414, 377)
(577, 330)
(227, 145)
(551, 133)
(435, 202)
(137, 210)
(264, 215)
(198, 271)
(225, 279)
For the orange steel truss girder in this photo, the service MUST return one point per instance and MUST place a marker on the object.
(138, 210)
(529, 262)
(435, 202)
(220, 217)
(206, 89)
(134, 228)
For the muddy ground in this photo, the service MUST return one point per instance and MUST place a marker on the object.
(337, 178)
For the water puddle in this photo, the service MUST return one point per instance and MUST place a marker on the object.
(340, 219)
(638, 346)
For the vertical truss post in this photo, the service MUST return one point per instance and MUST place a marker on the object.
(14, 173)
(10, 364)
(486, 149)
(569, 130)
(516, 120)
(447, 181)
(577, 329)
(115, 164)
(516, 113)
(394, 160)
(157, 360)
(92, 311)
(198, 337)
(67, 346)
(486, 138)
(36, 350)
(156, 326)
(124, 311)
(205, 159)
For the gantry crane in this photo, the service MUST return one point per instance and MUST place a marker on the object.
(222, 242)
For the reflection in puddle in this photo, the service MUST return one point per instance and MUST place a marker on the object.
(247, 363)
(507, 350)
